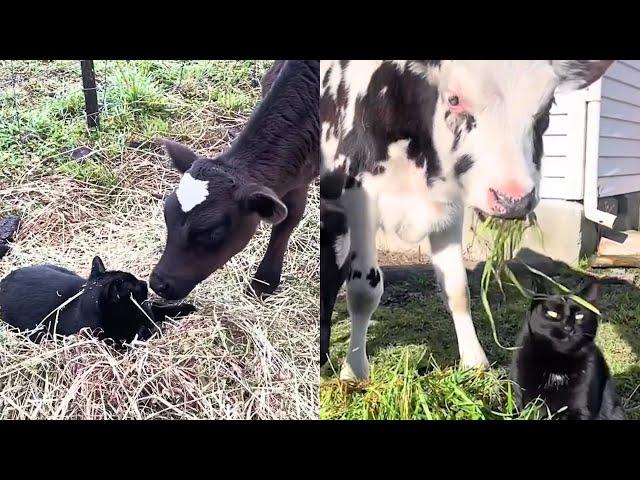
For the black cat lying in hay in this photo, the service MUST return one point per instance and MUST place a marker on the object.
(64, 302)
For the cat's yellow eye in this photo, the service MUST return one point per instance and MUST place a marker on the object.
(579, 316)
(552, 314)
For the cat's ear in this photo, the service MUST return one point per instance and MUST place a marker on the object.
(97, 267)
(590, 291)
(540, 285)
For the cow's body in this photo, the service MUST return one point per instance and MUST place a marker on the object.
(264, 175)
(416, 141)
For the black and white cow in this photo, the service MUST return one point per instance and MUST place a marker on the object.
(263, 176)
(419, 140)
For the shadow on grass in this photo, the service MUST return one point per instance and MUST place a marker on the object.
(412, 314)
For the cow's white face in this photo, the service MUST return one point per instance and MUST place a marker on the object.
(489, 121)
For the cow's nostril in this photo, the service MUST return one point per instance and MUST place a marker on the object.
(158, 284)
(510, 205)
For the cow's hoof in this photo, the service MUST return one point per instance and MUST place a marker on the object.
(260, 289)
(475, 359)
(354, 373)
(265, 282)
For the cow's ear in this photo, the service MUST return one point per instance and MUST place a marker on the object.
(181, 156)
(577, 74)
(262, 200)
(97, 268)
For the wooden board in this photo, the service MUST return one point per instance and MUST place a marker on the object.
(626, 244)
(606, 261)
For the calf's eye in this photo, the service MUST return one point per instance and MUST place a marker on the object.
(454, 100)
(579, 316)
(552, 314)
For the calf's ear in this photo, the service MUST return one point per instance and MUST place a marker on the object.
(577, 74)
(181, 156)
(262, 200)
(97, 267)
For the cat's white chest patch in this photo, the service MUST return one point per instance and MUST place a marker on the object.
(191, 192)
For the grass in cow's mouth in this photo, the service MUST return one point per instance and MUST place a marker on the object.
(505, 237)
(82, 193)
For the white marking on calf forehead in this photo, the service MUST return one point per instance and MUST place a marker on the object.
(191, 192)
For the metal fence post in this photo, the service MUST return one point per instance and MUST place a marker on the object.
(90, 93)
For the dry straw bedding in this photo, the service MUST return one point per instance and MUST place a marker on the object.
(237, 358)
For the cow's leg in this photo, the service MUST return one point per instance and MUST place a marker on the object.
(267, 278)
(365, 283)
(446, 255)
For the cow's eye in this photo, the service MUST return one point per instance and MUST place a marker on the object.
(455, 104)
(210, 238)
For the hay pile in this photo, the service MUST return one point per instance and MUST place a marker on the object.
(237, 358)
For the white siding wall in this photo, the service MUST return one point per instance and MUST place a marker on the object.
(562, 164)
(619, 153)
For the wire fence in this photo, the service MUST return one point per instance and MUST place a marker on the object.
(51, 108)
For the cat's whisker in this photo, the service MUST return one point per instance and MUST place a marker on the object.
(135, 302)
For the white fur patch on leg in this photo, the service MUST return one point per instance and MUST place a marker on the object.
(191, 192)
(341, 247)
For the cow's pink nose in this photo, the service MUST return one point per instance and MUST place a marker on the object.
(510, 200)
(512, 190)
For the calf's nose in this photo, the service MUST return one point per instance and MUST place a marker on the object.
(511, 201)
(158, 284)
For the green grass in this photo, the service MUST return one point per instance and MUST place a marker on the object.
(42, 109)
(89, 171)
(413, 352)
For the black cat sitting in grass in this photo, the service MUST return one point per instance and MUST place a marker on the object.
(559, 362)
(32, 296)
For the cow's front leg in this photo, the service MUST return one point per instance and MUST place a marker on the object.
(267, 278)
(446, 255)
(364, 282)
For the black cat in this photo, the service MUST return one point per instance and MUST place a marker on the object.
(29, 295)
(559, 362)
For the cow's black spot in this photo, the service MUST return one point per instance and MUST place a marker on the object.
(456, 138)
(428, 63)
(539, 127)
(463, 164)
(373, 277)
(379, 169)
(470, 122)
(325, 79)
(406, 111)
(356, 274)
(331, 184)
(352, 182)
